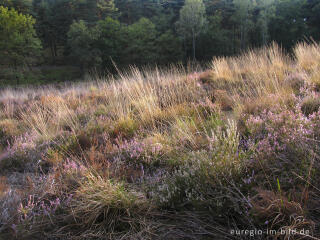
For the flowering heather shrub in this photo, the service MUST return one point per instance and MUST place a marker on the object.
(71, 166)
(20, 153)
(157, 155)
(194, 76)
(132, 159)
(295, 81)
(310, 103)
(9, 129)
(8, 204)
(36, 213)
(206, 173)
(286, 142)
(277, 131)
(22, 143)
(143, 150)
(32, 207)
(67, 175)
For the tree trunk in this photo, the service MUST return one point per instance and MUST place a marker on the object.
(185, 48)
(51, 49)
(194, 46)
(55, 49)
(233, 40)
(16, 71)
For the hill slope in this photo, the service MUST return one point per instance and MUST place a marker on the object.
(167, 154)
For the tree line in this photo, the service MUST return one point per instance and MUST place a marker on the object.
(100, 33)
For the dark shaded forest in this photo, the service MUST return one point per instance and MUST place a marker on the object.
(60, 40)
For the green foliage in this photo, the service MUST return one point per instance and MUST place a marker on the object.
(18, 40)
(192, 20)
(58, 74)
(140, 40)
(110, 41)
(95, 34)
(267, 12)
(204, 174)
(41, 75)
(242, 17)
(216, 38)
(54, 20)
(81, 40)
(169, 48)
(93, 10)
(289, 24)
(22, 6)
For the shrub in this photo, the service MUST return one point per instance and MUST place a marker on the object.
(204, 174)
(310, 104)
(315, 79)
(9, 128)
(286, 142)
(295, 81)
(16, 162)
(125, 127)
(20, 154)
(268, 102)
(222, 98)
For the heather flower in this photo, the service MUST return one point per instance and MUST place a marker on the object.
(72, 166)
(277, 130)
(137, 149)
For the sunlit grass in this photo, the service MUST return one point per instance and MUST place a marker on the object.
(140, 155)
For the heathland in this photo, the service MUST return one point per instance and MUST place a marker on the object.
(167, 153)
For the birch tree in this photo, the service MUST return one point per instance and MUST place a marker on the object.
(192, 21)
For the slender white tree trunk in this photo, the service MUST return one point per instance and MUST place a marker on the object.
(194, 46)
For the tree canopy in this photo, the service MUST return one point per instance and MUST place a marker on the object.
(192, 21)
(97, 33)
(18, 39)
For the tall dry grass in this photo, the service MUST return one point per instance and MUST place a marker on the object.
(172, 141)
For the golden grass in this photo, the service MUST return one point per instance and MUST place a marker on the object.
(158, 100)
(308, 56)
(280, 211)
(106, 207)
(9, 127)
(253, 74)
(149, 99)
(171, 108)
